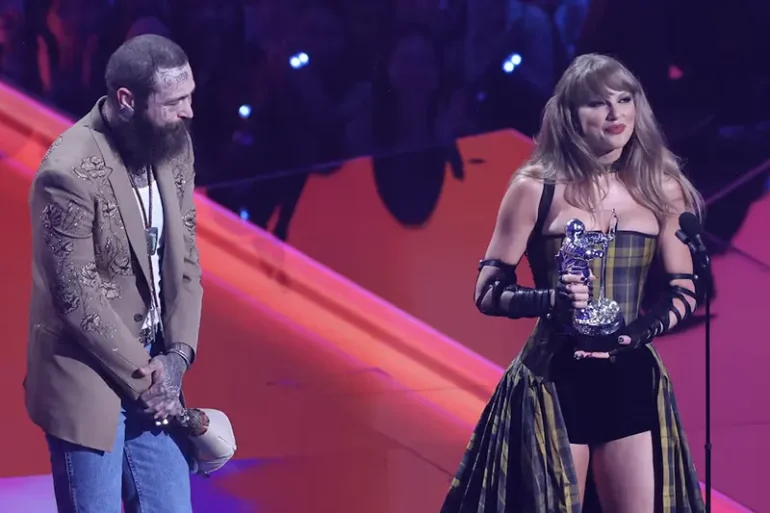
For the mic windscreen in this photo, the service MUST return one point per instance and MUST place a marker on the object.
(689, 224)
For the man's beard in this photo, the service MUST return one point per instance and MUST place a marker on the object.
(142, 143)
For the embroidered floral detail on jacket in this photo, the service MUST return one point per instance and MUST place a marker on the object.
(189, 220)
(180, 182)
(78, 287)
(91, 168)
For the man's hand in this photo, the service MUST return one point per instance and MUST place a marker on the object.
(162, 398)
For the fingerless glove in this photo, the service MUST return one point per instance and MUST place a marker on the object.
(657, 320)
(524, 302)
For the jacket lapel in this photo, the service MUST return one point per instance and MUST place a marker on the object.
(173, 243)
(131, 215)
(123, 190)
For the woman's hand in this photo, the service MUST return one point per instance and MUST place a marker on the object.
(575, 290)
(624, 342)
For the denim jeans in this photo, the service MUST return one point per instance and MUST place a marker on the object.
(146, 470)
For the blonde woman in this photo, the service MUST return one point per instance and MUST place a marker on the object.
(599, 157)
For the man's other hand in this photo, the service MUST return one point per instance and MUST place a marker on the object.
(161, 400)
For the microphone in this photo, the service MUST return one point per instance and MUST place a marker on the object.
(689, 232)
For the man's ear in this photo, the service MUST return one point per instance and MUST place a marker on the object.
(126, 101)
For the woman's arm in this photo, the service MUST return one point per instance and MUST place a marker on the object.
(515, 220)
(497, 291)
(677, 260)
(679, 300)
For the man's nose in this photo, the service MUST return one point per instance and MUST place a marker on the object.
(187, 113)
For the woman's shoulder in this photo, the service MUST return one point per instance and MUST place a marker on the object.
(530, 173)
(680, 194)
(525, 189)
(672, 187)
(670, 183)
(529, 177)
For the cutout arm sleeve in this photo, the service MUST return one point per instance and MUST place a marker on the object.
(657, 320)
(501, 296)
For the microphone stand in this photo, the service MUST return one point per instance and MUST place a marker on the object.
(702, 265)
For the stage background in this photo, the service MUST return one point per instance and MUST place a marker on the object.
(363, 405)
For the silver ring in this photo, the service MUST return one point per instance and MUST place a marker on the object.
(163, 422)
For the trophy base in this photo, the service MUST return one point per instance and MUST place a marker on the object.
(602, 330)
(597, 325)
(602, 317)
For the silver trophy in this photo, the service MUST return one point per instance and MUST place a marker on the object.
(603, 316)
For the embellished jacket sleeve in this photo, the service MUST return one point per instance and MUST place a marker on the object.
(184, 324)
(62, 211)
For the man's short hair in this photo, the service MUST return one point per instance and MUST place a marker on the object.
(135, 65)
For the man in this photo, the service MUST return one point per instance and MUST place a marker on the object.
(116, 295)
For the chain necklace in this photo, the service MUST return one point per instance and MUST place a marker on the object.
(150, 234)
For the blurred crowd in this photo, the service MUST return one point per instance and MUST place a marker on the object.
(284, 85)
(345, 77)
(288, 87)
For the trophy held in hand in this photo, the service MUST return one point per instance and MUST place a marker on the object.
(594, 325)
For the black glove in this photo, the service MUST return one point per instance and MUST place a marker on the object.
(657, 320)
(524, 302)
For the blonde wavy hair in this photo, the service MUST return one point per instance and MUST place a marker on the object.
(562, 155)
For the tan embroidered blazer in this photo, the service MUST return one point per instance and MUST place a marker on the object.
(91, 282)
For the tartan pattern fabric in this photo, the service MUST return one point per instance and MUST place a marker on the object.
(518, 459)
(628, 260)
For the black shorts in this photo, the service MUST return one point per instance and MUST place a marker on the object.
(602, 401)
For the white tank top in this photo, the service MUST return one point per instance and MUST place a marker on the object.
(157, 222)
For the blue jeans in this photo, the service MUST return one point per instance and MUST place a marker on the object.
(146, 470)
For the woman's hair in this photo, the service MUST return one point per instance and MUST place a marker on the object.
(562, 154)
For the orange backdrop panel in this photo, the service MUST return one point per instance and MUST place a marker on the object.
(429, 272)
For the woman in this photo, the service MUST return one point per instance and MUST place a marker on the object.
(600, 158)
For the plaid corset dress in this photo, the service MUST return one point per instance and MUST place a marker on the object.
(518, 459)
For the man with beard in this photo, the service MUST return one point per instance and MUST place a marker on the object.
(116, 295)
